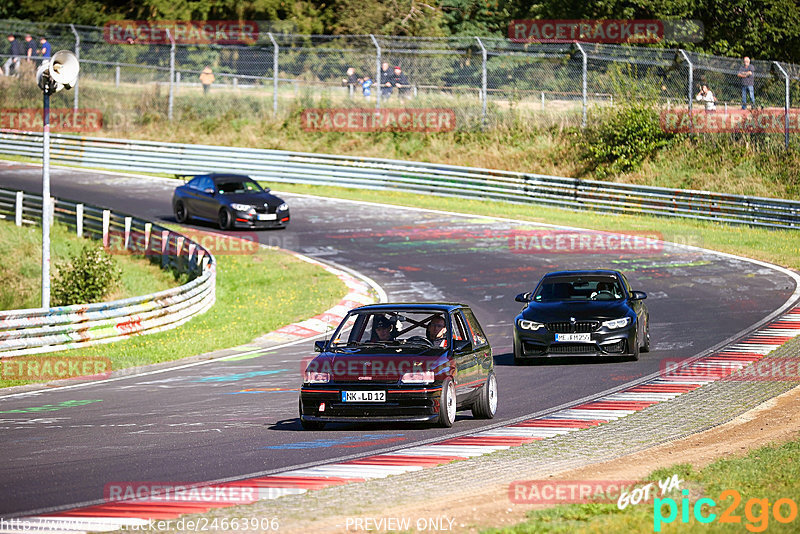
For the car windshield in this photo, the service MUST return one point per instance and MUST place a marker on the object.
(426, 329)
(578, 288)
(237, 185)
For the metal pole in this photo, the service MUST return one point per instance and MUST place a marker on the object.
(46, 202)
(584, 85)
(116, 76)
(689, 87)
(785, 105)
(377, 71)
(171, 75)
(484, 55)
(275, 51)
(78, 57)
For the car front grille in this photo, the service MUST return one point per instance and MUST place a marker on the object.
(570, 348)
(565, 327)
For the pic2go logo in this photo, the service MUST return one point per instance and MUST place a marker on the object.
(756, 511)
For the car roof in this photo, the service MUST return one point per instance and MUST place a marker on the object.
(594, 272)
(412, 306)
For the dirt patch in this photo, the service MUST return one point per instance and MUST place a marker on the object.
(775, 421)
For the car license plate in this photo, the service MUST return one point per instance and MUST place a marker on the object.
(580, 338)
(363, 396)
(267, 216)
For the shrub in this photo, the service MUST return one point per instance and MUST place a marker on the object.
(86, 277)
(623, 141)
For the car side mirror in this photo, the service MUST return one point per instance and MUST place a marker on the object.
(461, 345)
(638, 295)
(319, 346)
(208, 191)
(523, 297)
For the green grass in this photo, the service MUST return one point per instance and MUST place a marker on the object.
(21, 267)
(256, 294)
(781, 247)
(771, 472)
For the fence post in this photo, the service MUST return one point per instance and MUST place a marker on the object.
(164, 248)
(79, 220)
(106, 226)
(377, 71)
(689, 85)
(484, 94)
(128, 221)
(78, 56)
(171, 74)
(18, 210)
(584, 74)
(785, 104)
(178, 79)
(275, 51)
(116, 76)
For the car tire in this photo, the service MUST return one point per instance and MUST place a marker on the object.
(225, 219)
(309, 425)
(447, 403)
(646, 346)
(635, 351)
(518, 360)
(486, 405)
(181, 213)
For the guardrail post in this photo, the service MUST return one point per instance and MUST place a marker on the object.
(78, 57)
(584, 74)
(785, 104)
(484, 57)
(164, 247)
(106, 225)
(116, 76)
(689, 85)
(179, 245)
(275, 51)
(171, 75)
(148, 230)
(18, 209)
(128, 221)
(79, 219)
(377, 71)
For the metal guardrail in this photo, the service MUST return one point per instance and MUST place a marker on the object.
(42, 330)
(417, 177)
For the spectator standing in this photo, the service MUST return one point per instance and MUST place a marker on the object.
(401, 82)
(705, 95)
(387, 80)
(30, 48)
(206, 78)
(747, 76)
(46, 50)
(351, 81)
(366, 87)
(15, 51)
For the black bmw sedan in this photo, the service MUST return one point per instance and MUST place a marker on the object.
(400, 362)
(230, 200)
(583, 313)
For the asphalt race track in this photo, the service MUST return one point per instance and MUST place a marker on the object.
(198, 423)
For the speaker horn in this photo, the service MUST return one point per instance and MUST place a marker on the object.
(60, 72)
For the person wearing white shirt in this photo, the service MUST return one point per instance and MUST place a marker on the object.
(705, 95)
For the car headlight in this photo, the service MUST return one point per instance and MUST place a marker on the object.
(613, 324)
(529, 325)
(314, 377)
(283, 207)
(417, 377)
(242, 207)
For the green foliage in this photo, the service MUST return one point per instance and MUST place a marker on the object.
(623, 141)
(86, 277)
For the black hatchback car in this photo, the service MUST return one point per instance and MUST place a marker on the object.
(582, 313)
(400, 362)
(230, 200)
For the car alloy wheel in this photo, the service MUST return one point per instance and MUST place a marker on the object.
(181, 215)
(486, 405)
(225, 219)
(447, 404)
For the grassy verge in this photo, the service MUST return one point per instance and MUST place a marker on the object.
(770, 472)
(21, 268)
(781, 247)
(255, 294)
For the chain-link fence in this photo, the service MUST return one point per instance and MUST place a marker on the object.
(485, 81)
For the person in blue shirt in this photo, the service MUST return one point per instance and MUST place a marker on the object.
(366, 87)
(46, 50)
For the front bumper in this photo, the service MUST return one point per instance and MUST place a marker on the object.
(604, 342)
(242, 220)
(403, 403)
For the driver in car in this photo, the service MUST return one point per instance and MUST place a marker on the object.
(436, 331)
(383, 329)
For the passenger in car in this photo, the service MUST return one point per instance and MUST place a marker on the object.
(436, 331)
